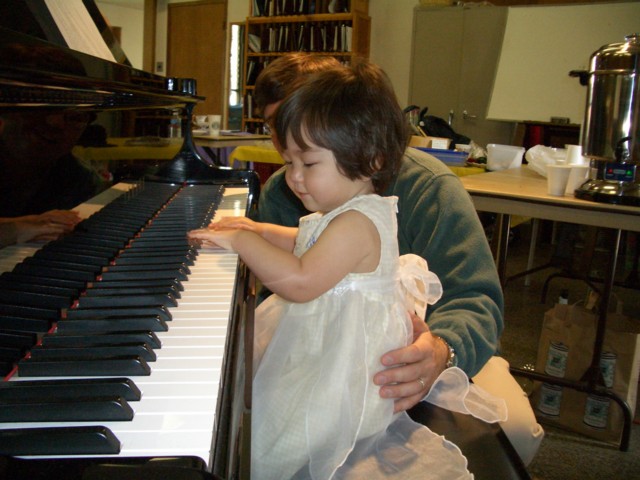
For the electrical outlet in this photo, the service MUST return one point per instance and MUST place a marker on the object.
(159, 67)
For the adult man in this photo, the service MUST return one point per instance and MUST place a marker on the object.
(436, 220)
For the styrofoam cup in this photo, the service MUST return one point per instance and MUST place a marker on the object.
(214, 124)
(557, 178)
(577, 176)
(574, 155)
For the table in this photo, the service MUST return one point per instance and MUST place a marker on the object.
(521, 191)
(212, 144)
(256, 153)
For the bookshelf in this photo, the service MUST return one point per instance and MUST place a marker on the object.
(339, 28)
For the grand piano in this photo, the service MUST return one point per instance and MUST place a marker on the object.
(123, 350)
(122, 347)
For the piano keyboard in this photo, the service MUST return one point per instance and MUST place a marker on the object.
(175, 415)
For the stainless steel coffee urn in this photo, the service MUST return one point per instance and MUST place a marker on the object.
(611, 129)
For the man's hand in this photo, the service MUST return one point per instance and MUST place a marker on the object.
(37, 228)
(413, 369)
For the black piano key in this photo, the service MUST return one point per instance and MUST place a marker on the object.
(173, 284)
(32, 299)
(72, 257)
(17, 339)
(81, 409)
(78, 353)
(34, 288)
(91, 440)
(113, 273)
(95, 339)
(155, 267)
(51, 272)
(154, 259)
(106, 313)
(161, 242)
(152, 323)
(5, 367)
(70, 388)
(140, 249)
(11, 354)
(115, 366)
(62, 264)
(89, 240)
(110, 229)
(25, 324)
(105, 289)
(67, 245)
(140, 300)
(38, 280)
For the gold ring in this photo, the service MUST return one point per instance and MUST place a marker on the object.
(422, 384)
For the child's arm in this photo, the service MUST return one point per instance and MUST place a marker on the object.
(350, 243)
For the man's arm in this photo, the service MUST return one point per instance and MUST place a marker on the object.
(437, 221)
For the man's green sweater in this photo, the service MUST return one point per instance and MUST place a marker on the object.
(436, 220)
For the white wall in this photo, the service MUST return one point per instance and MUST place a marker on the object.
(541, 86)
(391, 32)
(131, 20)
(237, 10)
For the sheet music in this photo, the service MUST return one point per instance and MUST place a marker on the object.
(78, 29)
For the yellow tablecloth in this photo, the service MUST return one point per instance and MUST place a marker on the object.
(262, 154)
(121, 149)
(253, 153)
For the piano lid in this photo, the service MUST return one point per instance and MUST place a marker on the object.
(34, 17)
(36, 73)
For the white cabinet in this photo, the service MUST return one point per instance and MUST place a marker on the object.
(455, 54)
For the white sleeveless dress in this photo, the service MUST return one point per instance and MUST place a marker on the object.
(316, 412)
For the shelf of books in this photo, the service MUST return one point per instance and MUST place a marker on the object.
(340, 28)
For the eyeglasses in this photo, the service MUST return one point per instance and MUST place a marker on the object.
(266, 129)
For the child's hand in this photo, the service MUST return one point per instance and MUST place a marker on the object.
(241, 223)
(214, 237)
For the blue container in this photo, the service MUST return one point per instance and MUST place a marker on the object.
(449, 157)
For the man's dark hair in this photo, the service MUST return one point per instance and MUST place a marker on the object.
(285, 74)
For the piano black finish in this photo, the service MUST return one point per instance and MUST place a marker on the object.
(44, 76)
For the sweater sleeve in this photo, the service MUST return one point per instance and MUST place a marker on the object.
(437, 220)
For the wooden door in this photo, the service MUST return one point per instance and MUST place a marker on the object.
(196, 46)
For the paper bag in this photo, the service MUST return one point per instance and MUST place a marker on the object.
(565, 350)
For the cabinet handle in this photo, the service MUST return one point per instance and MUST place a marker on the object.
(450, 119)
(467, 116)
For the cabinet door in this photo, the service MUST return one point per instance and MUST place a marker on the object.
(436, 59)
(454, 60)
(483, 32)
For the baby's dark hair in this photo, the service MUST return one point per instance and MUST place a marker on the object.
(352, 111)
